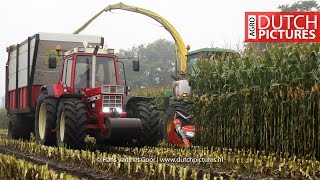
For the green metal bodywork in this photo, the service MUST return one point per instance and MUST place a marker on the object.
(210, 50)
(168, 93)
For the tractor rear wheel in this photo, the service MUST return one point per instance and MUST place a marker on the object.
(71, 124)
(150, 120)
(169, 117)
(18, 127)
(45, 120)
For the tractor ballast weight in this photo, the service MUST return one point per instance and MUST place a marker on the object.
(116, 128)
(64, 97)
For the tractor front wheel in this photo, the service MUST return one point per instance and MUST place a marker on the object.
(45, 121)
(71, 124)
(149, 115)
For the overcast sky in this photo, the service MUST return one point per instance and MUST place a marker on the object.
(201, 23)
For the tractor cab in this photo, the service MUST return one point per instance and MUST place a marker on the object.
(105, 71)
(88, 68)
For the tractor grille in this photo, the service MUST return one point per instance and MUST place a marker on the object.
(112, 101)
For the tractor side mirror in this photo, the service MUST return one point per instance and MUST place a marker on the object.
(136, 65)
(52, 62)
(128, 89)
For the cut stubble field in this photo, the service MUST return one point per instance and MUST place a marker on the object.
(89, 164)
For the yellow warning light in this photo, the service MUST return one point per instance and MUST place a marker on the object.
(188, 47)
(58, 48)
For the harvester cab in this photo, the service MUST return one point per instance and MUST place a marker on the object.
(207, 54)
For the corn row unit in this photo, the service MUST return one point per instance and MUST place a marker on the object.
(263, 100)
(237, 161)
(13, 168)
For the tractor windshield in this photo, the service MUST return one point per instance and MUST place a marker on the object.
(105, 71)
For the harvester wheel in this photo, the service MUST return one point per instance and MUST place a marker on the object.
(71, 124)
(169, 117)
(18, 127)
(150, 120)
(45, 121)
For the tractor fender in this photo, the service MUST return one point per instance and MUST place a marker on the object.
(52, 90)
(48, 88)
(129, 99)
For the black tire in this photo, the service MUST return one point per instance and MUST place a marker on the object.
(18, 127)
(10, 130)
(150, 120)
(47, 137)
(182, 108)
(71, 116)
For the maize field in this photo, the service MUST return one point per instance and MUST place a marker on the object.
(261, 101)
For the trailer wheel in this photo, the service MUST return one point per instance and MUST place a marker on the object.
(150, 120)
(71, 124)
(169, 117)
(18, 127)
(45, 121)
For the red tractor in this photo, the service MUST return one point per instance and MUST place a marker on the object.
(63, 98)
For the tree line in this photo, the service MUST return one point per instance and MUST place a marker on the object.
(157, 62)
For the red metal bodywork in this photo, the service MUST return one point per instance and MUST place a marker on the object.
(23, 95)
(173, 136)
(95, 113)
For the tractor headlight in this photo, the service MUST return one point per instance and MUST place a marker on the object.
(119, 110)
(105, 109)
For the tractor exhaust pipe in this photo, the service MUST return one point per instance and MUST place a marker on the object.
(94, 62)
